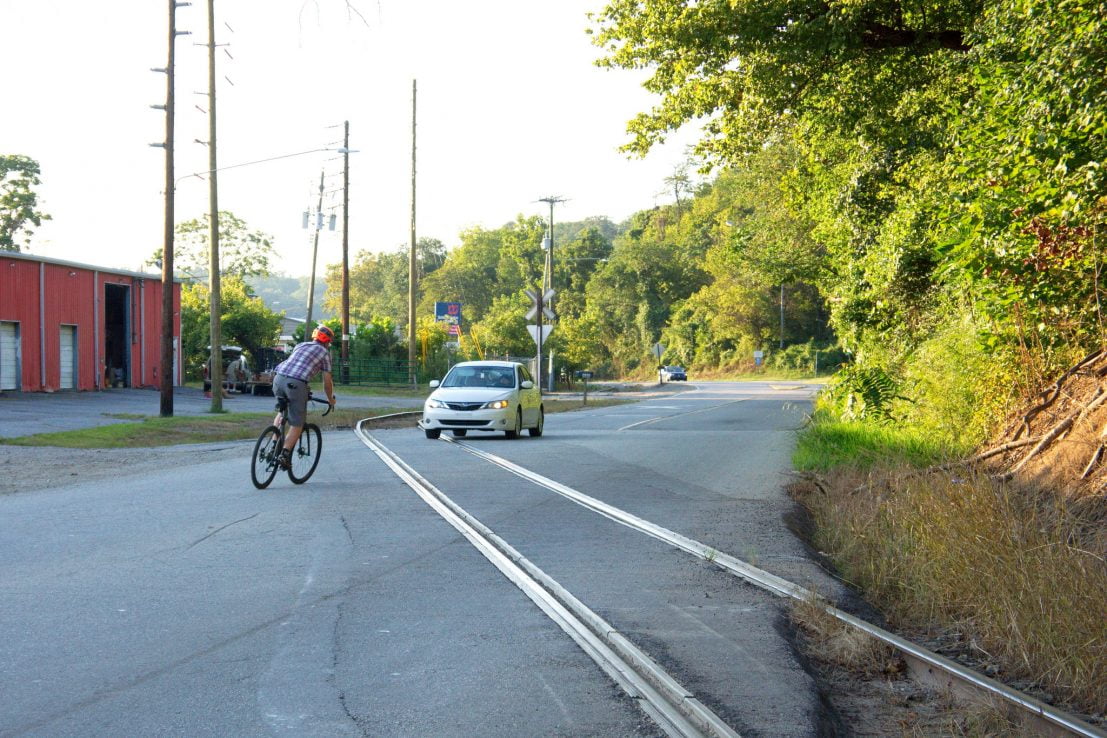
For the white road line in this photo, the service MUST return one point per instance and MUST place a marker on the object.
(673, 707)
(679, 415)
(784, 588)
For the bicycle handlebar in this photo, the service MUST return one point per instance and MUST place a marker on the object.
(324, 402)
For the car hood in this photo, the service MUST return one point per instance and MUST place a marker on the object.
(470, 394)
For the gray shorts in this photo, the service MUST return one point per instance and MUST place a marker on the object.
(297, 392)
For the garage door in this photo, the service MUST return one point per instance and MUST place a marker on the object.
(68, 378)
(9, 355)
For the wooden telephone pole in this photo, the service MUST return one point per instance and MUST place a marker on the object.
(216, 370)
(168, 374)
(346, 254)
(412, 274)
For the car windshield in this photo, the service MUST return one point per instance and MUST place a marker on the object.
(480, 376)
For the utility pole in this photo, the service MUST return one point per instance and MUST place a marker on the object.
(345, 254)
(167, 368)
(314, 253)
(213, 204)
(411, 271)
(547, 281)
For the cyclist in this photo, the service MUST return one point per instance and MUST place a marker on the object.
(291, 382)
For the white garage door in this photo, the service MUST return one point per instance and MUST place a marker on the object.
(9, 355)
(68, 357)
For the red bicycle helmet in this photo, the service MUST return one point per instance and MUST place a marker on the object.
(322, 334)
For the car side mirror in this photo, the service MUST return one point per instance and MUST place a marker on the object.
(527, 384)
(434, 383)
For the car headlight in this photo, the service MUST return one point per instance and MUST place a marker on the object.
(496, 405)
(436, 403)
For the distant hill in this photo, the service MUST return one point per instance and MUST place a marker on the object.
(288, 295)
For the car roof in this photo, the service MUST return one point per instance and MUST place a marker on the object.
(499, 364)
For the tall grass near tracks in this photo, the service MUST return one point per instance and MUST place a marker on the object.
(1012, 578)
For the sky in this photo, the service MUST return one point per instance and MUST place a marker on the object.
(510, 109)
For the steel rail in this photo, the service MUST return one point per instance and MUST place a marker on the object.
(674, 708)
(783, 588)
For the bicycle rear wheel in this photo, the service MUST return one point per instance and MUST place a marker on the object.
(266, 455)
(305, 456)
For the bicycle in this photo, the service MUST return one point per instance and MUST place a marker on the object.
(267, 450)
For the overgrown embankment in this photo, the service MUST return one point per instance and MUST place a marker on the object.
(998, 557)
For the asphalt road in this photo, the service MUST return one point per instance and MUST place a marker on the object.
(185, 602)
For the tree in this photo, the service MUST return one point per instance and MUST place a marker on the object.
(246, 321)
(503, 330)
(378, 282)
(1028, 186)
(242, 252)
(744, 67)
(487, 264)
(19, 175)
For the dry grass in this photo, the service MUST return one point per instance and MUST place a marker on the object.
(834, 642)
(1021, 574)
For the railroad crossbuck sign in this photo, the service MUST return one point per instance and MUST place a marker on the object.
(540, 303)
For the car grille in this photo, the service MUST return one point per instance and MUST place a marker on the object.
(464, 423)
(466, 406)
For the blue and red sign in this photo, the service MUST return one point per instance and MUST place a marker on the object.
(450, 314)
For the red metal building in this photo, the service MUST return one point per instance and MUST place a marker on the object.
(69, 326)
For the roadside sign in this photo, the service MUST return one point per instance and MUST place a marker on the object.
(540, 303)
(758, 356)
(533, 330)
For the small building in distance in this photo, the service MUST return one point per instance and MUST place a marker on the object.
(70, 326)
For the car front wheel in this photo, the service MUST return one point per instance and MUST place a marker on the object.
(514, 432)
(536, 431)
(432, 432)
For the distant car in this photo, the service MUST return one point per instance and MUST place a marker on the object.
(484, 396)
(674, 374)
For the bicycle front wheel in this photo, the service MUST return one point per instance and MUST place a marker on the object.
(305, 457)
(266, 456)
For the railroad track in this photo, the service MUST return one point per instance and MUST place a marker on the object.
(672, 706)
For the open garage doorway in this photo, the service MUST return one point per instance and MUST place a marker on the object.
(117, 335)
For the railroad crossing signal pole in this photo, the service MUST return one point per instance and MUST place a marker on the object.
(539, 309)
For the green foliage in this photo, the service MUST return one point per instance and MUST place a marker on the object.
(19, 175)
(967, 386)
(378, 283)
(246, 321)
(1029, 212)
(743, 67)
(503, 331)
(242, 252)
(375, 339)
(865, 392)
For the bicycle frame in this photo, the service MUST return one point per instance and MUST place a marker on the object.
(269, 447)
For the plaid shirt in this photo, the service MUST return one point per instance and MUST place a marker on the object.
(306, 361)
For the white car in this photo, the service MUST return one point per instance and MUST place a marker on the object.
(484, 396)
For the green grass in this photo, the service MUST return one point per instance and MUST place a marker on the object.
(158, 431)
(828, 443)
(392, 390)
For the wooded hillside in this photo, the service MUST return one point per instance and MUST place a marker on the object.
(918, 184)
